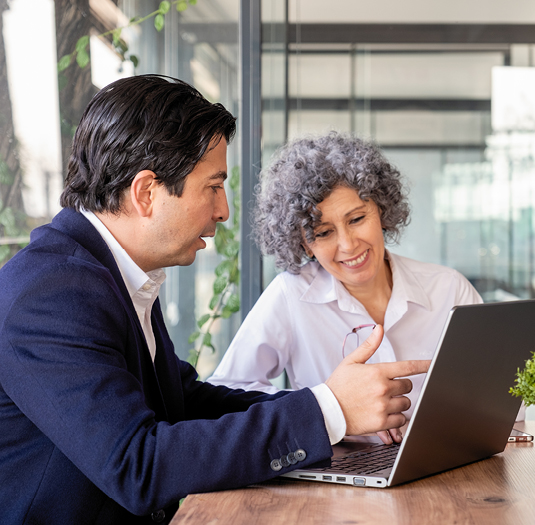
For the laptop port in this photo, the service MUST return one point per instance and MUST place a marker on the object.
(307, 476)
(340, 478)
(327, 478)
(359, 482)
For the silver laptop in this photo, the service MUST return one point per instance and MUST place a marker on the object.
(464, 413)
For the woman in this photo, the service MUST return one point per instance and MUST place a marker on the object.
(325, 208)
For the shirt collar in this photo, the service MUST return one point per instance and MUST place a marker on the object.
(406, 286)
(134, 277)
(324, 288)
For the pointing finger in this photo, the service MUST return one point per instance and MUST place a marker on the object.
(406, 368)
(368, 348)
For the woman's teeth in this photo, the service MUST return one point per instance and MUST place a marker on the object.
(355, 262)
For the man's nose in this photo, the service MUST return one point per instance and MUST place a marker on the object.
(221, 211)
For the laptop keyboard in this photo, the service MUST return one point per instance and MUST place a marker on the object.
(375, 458)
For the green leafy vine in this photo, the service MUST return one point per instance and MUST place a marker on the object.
(225, 300)
(80, 54)
(525, 382)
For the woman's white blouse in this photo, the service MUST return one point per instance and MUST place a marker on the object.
(300, 321)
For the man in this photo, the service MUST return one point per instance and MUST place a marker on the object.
(101, 423)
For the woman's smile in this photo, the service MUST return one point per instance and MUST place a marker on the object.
(352, 263)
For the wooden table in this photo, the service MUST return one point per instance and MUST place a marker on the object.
(499, 490)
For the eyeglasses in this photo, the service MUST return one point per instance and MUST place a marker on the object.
(356, 332)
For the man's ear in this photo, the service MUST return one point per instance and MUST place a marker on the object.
(142, 192)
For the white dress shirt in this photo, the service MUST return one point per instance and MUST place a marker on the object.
(142, 287)
(300, 321)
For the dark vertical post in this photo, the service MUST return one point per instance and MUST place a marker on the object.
(250, 47)
(286, 71)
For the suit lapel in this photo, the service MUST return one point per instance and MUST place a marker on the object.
(166, 366)
(139, 361)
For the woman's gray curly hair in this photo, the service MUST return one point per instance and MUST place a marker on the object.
(306, 171)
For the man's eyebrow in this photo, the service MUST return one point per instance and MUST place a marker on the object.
(219, 175)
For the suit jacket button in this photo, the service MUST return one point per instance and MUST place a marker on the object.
(284, 461)
(291, 458)
(158, 516)
(275, 465)
(300, 454)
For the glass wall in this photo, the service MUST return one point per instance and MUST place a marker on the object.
(41, 108)
(447, 91)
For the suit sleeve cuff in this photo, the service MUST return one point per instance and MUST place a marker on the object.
(333, 416)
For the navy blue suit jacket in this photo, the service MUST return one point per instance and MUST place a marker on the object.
(90, 430)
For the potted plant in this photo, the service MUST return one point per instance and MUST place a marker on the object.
(525, 382)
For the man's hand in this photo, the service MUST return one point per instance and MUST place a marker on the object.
(370, 396)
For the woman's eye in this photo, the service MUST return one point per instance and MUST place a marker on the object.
(356, 219)
(322, 234)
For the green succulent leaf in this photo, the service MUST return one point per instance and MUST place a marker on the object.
(121, 47)
(220, 284)
(219, 243)
(159, 22)
(226, 312)
(213, 301)
(64, 63)
(182, 5)
(82, 43)
(82, 58)
(203, 320)
(193, 337)
(164, 7)
(116, 35)
(134, 59)
(233, 303)
(193, 2)
(223, 267)
(221, 238)
(231, 234)
(234, 275)
(207, 340)
(232, 249)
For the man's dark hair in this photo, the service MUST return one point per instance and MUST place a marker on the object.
(146, 122)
